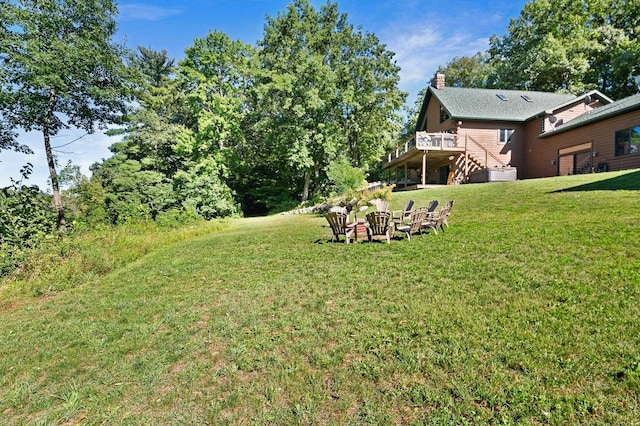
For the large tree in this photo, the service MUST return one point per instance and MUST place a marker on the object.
(215, 78)
(151, 129)
(568, 45)
(60, 69)
(328, 92)
(139, 178)
(469, 71)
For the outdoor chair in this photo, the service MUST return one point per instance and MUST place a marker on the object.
(381, 205)
(378, 223)
(416, 219)
(403, 215)
(439, 220)
(338, 222)
(339, 209)
(431, 208)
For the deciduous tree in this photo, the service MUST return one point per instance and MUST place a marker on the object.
(469, 71)
(60, 69)
(570, 45)
(328, 91)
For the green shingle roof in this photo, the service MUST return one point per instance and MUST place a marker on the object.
(632, 103)
(488, 104)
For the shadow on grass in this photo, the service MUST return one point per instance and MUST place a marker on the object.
(629, 181)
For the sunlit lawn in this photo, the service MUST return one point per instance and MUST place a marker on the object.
(525, 310)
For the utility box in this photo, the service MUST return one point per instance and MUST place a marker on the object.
(496, 174)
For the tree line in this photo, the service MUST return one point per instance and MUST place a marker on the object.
(560, 46)
(235, 128)
(231, 127)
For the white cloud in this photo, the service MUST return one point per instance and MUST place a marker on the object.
(146, 12)
(422, 47)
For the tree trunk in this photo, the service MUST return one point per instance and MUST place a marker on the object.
(307, 184)
(55, 187)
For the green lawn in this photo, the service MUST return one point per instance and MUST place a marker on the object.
(525, 311)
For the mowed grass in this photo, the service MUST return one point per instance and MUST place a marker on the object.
(525, 311)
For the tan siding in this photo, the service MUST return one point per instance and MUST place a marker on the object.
(433, 119)
(571, 112)
(624, 162)
(483, 136)
(533, 129)
(541, 152)
(567, 114)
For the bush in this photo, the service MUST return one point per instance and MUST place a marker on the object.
(26, 219)
(205, 194)
(345, 177)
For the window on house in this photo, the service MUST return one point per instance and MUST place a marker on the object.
(502, 97)
(444, 115)
(628, 141)
(527, 98)
(506, 136)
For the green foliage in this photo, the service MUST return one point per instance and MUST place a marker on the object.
(61, 264)
(215, 77)
(326, 91)
(60, 69)
(27, 219)
(345, 177)
(131, 193)
(469, 71)
(573, 46)
(62, 50)
(201, 191)
(384, 193)
(410, 124)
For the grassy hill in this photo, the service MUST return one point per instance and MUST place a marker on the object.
(524, 311)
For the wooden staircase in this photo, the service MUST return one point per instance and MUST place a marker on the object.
(470, 161)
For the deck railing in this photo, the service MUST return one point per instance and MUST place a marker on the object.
(428, 142)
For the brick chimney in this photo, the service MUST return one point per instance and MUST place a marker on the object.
(438, 81)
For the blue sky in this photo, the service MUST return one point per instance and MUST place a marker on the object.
(423, 33)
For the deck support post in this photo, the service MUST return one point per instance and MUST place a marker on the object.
(466, 160)
(424, 168)
(406, 180)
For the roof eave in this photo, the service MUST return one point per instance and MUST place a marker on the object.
(506, 119)
(596, 93)
(569, 125)
(423, 109)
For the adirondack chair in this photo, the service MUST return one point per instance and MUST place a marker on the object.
(338, 222)
(403, 215)
(440, 219)
(416, 219)
(431, 208)
(381, 205)
(339, 209)
(379, 223)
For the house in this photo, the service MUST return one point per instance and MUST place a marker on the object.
(475, 135)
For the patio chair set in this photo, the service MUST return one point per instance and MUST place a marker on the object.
(385, 223)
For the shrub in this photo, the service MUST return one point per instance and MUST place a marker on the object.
(345, 177)
(26, 219)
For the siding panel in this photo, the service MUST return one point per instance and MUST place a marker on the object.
(542, 152)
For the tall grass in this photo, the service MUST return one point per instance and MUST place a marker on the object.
(524, 311)
(62, 263)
